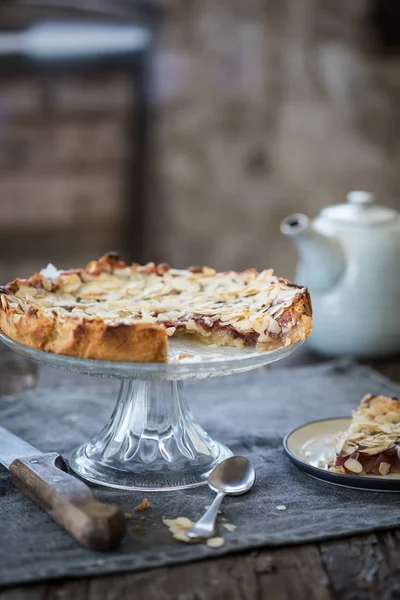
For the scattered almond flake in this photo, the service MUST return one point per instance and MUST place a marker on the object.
(229, 526)
(185, 355)
(321, 463)
(128, 516)
(307, 454)
(183, 523)
(138, 528)
(143, 505)
(180, 535)
(384, 468)
(170, 331)
(168, 522)
(353, 465)
(178, 527)
(281, 507)
(215, 542)
(142, 518)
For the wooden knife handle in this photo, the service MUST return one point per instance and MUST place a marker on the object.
(43, 478)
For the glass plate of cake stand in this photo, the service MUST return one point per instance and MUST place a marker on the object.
(152, 441)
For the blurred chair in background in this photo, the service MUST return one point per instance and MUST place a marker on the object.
(74, 131)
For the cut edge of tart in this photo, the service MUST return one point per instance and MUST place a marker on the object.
(112, 311)
(371, 444)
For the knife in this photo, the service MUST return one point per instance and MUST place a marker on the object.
(43, 478)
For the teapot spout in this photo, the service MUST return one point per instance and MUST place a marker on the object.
(322, 259)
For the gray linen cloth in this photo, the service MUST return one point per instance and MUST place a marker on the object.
(251, 413)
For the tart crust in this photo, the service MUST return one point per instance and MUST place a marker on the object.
(116, 312)
(371, 444)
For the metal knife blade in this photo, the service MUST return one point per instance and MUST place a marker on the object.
(12, 447)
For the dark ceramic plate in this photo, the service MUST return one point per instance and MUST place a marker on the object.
(308, 447)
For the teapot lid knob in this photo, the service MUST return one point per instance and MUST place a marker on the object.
(360, 197)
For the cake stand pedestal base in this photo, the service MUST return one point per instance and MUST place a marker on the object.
(151, 443)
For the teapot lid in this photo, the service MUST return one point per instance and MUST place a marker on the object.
(361, 210)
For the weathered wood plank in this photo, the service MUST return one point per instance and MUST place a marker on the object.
(361, 568)
(283, 574)
(292, 573)
(365, 567)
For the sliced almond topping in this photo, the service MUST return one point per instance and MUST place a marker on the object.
(375, 449)
(353, 465)
(201, 301)
(349, 448)
(384, 468)
(273, 326)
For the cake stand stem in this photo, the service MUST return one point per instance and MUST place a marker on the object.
(152, 442)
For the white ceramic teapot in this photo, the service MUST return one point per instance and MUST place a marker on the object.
(350, 261)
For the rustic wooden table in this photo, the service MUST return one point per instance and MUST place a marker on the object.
(357, 568)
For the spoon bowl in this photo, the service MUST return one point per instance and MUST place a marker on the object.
(233, 476)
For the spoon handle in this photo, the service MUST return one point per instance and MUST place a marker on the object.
(205, 527)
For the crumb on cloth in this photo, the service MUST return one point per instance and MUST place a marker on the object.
(143, 505)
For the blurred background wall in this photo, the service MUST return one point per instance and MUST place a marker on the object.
(62, 152)
(253, 110)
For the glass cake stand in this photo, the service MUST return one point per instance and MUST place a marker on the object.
(152, 442)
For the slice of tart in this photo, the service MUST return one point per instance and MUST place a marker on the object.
(114, 311)
(371, 444)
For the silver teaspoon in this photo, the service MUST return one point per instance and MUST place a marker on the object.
(232, 476)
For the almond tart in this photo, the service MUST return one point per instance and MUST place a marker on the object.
(371, 444)
(113, 311)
